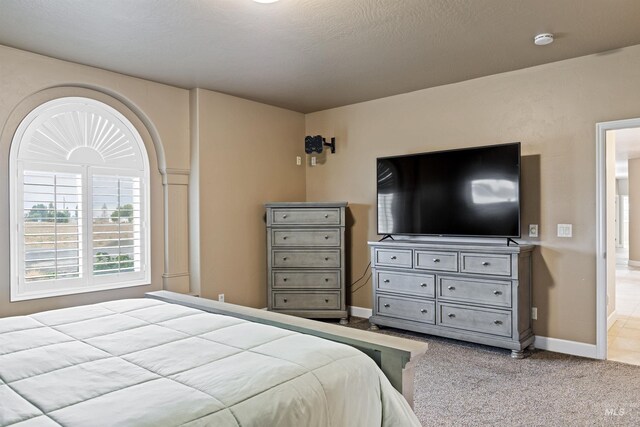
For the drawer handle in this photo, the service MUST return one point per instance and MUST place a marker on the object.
(387, 305)
(326, 300)
(326, 279)
(497, 292)
(284, 216)
(394, 257)
(485, 263)
(326, 215)
(424, 310)
(386, 280)
(284, 279)
(284, 237)
(326, 237)
(326, 258)
(424, 285)
(436, 260)
(451, 288)
(285, 300)
(284, 258)
(451, 315)
(498, 322)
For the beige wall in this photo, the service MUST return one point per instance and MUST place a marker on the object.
(551, 109)
(247, 154)
(159, 112)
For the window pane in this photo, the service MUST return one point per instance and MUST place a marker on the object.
(52, 225)
(116, 219)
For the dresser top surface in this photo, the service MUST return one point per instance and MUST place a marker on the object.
(305, 204)
(448, 245)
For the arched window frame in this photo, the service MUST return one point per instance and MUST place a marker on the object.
(102, 147)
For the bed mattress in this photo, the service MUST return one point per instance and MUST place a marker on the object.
(143, 362)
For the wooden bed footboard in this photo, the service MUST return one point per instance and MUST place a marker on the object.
(395, 356)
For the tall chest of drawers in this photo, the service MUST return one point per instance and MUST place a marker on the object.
(473, 292)
(306, 259)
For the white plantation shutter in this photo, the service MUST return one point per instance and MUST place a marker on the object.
(79, 197)
(52, 225)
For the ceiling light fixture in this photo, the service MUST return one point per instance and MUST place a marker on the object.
(543, 39)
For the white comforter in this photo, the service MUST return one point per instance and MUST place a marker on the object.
(149, 363)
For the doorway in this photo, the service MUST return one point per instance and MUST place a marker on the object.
(618, 241)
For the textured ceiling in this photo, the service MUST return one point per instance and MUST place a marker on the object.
(309, 55)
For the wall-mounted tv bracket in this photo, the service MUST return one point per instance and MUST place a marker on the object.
(317, 143)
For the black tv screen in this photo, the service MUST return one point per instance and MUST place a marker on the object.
(466, 192)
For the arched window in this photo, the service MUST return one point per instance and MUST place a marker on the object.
(79, 179)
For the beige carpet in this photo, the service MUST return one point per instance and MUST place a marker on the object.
(462, 384)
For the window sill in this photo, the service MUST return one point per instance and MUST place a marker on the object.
(25, 296)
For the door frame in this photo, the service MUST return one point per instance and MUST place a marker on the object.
(601, 228)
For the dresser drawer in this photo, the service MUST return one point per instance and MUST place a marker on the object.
(318, 237)
(326, 258)
(441, 261)
(394, 257)
(306, 300)
(499, 265)
(422, 285)
(306, 216)
(406, 308)
(306, 279)
(490, 292)
(477, 320)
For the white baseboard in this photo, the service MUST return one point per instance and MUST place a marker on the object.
(360, 312)
(567, 347)
(611, 319)
(633, 263)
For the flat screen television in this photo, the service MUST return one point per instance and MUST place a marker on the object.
(466, 192)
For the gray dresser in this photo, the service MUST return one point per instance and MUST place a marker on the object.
(306, 259)
(473, 292)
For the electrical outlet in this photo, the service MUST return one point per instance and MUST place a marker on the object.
(313, 161)
(534, 313)
(298, 160)
(565, 230)
(533, 230)
(221, 297)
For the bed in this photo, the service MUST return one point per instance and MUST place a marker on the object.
(150, 362)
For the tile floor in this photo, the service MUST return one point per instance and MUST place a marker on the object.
(624, 335)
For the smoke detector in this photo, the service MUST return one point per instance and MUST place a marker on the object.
(543, 39)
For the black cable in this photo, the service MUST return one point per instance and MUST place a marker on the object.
(363, 274)
(353, 291)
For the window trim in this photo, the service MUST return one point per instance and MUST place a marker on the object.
(20, 289)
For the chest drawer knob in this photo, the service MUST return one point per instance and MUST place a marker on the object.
(485, 263)
(424, 285)
(326, 258)
(326, 279)
(284, 258)
(285, 300)
(387, 305)
(424, 310)
(326, 215)
(284, 216)
(284, 279)
(284, 237)
(497, 292)
(394, 257)
(451, 315)
(436, 260)
(326, 300)
(451, 288)
(326, 237)
(498, 322)
(386, 280)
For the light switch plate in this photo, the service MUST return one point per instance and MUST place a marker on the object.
(565, 230)
(533, 230)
